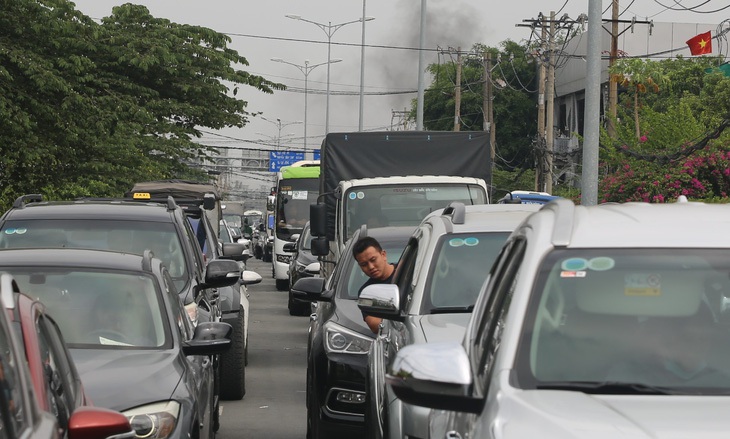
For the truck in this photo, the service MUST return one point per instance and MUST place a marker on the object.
(297, 187)
(393, 179)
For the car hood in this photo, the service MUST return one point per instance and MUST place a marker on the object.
(350, 316)
(443, 327)
(122, 379)
(564, 414)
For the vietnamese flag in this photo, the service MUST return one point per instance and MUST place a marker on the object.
(700, 44)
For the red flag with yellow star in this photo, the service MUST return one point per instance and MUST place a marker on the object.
(700, 44)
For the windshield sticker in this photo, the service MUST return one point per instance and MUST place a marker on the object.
(456, 242)
(299, 195)
(360, 195)
(471, 242)
(21, 230)
(642, 284)
(13, 230)
(572, 273)
(602, 263)
(352, 195)
(574, 264)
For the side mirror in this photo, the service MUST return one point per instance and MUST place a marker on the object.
(209, 201)
(220, 273)
(250, 277)
(320, 246)
(209, 338)
(290, 247)
(318, 219)
(235, 251)
(380, 300)
(312, 269)
(88, 422)
(308, 288)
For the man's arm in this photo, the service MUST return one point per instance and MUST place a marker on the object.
(373, 323)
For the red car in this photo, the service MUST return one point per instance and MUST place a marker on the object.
(50, 384)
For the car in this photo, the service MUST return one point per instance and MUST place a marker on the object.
(607, 320)
(55, 379)
(33, 402)
(431, 298)
(303, 264)
(339, 340)
(129, 335)
(526, 197)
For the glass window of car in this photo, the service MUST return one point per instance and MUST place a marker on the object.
(122, 236)
(354, 278)
(99, 309)
(59, 380)
(653, 317)
(12, 409)
(457, 270)
(182, 320)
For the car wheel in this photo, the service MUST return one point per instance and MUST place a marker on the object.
(233, 369)
(282, 284)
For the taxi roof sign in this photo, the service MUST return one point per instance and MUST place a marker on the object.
(141, 196)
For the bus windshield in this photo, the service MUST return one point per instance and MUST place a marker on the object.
(292, 206)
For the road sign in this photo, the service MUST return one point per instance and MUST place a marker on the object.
(315, 154)
(279, 159)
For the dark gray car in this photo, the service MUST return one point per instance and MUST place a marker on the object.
(303, 264)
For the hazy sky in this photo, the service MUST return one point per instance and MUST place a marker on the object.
(260, 31)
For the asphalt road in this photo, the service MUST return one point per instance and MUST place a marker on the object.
(274, 406)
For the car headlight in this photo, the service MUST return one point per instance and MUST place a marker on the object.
(154, 421)
(340, 340)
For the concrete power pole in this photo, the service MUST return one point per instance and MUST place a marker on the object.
(488, 108)
(550, 94)
(539, 171)
(457, 92)
(612, 85)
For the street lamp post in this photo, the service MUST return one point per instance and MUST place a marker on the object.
(329, 29)
(279, 125)
(306, 69)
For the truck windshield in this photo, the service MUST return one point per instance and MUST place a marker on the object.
(292, 208)
(403, 205)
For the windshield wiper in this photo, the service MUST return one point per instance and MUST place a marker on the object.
(607, 387)
(452, 309)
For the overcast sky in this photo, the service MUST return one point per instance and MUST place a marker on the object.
(260, 31)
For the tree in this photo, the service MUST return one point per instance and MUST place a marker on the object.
(638, 76)
(87, 109)
(513, 78)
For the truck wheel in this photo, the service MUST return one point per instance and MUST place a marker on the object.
(267, 255)
(233, 370)
(282, 284)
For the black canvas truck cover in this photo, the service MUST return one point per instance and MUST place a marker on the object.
(346, 156)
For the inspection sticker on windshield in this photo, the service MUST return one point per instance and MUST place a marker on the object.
(570, 273)
(643, 284)
(299, 195)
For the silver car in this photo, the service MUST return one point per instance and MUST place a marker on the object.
(438, 279)
(601, 321)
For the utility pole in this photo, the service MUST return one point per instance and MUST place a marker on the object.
(550, 94)
(539, 174)
(488, 120)
(612, 85)
(457, 91)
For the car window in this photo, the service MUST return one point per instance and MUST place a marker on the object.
(651, 317)
(56, 372)
(181, 318)
(12, 409)
(99, 309)
(459, 267)
(122, 236)
(354, 278)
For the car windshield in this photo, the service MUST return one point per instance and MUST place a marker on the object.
(354, 278)
(122, 236)
(98, 308)
(625, 317)
(459, 268)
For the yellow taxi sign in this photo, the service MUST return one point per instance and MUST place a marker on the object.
(141, 196)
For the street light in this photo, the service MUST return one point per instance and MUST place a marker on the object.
(306, 69)
(329, 29)
(281, 125)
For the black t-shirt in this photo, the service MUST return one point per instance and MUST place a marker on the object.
(372, 281)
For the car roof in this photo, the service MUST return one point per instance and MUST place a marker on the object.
(71, 257)
(482, 217)
(638, 225)
(116, 210)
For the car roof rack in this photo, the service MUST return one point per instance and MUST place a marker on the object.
(22, 200)
(457, 211)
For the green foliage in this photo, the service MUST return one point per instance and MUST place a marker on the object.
(87, 109)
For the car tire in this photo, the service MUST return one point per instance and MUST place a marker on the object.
(282, 284)
(233, 369)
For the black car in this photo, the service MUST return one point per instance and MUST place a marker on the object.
(339, 341)
(303, 264)
(129, 335)
(23, 414)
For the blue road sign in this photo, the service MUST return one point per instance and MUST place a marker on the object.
(315, 154)
(279, 159)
